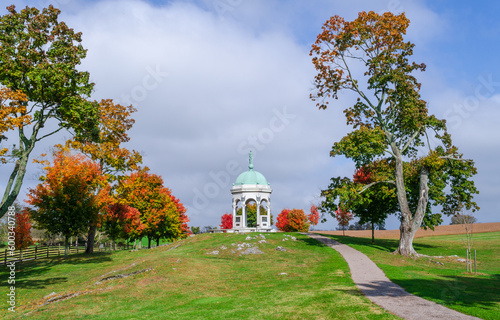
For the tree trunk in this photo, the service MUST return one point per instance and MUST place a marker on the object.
(139, 245)
(91, 239)
(66, 243)
(17, 176)
(158, 242)
(373, 233)
(409, 224)
(149, 243)
(14, 184)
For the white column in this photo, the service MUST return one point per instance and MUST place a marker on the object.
(269, 213)
(234, 213)
(244, 215)
(258, 218)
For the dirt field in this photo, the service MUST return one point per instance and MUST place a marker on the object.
(438, 231)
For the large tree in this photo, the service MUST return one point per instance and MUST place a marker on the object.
(72, 193)
(391, 123)
(114, 160)
(162, 215)
(38, 58)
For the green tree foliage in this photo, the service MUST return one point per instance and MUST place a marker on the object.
(38, 58)
(252, 214)
(372, 206)
(390, 122)
(195, 230)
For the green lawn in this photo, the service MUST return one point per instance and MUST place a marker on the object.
(188, 283)
(449, 285)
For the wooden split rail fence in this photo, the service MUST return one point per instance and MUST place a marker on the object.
(39, 252)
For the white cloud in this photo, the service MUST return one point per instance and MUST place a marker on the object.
(209, 83)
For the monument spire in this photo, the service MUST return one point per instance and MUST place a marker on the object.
(250, 160)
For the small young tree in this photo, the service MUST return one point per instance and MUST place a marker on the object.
(314, 216)
(343, 218)
(226, 221)
(463, 219)
(22, 230)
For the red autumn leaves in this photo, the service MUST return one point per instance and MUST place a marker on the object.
(296, 220)
(226, 221)
(76, 193)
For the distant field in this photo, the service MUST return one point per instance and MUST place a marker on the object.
(438, 231)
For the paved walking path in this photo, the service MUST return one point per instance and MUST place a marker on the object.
(380, 290)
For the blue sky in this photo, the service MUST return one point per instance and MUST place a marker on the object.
(212, 77)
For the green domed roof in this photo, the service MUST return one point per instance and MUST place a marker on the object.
(251, 176)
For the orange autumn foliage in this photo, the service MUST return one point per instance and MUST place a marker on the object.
(114, 122)
(71, 195)
(12, 114)
(292, 220)
(162, 214)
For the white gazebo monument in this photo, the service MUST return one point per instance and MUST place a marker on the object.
(251, 186)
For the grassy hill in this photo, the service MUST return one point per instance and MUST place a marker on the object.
(185, 281)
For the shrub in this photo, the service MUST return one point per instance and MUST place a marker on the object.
(292, 220)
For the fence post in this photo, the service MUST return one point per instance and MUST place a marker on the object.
(36, 251)
(77, 248)
(58, 249)
(47, 251)
(5, 257)
(21, 255)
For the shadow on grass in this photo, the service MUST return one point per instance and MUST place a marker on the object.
(479, 292)
(388, 245)
(312, 242)
(26, 271)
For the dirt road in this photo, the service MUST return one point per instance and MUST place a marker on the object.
(438, 231)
